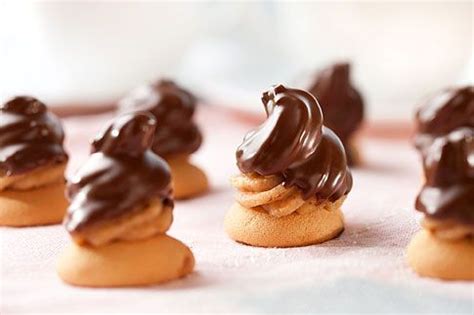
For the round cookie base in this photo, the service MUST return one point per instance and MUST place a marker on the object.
(128, 263)
(188, 180)
(432, 257)
(40, 206)
(257, 228)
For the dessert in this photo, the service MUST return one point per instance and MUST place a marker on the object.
(445, 247)
(121, 207)
(32, 164)
(342, 106)
(445, 111)
(294, 176)
(176, 136)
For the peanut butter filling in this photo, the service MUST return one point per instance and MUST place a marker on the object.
(141, 223)
(38, 178)
(448, 230)
(269, 194)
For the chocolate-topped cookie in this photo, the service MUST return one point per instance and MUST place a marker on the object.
(341, 103)
(444, 248)
(32, 164)
(177, 136)
(294, 176)
(121, 208)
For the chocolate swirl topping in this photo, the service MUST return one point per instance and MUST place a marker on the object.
(30, 136)
(341, 103)
(447, 110)
(294, 144)
(121, 174)
(449, 170)
(173, 108)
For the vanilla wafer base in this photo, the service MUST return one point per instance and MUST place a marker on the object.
(188, 180)
(258, 228)
(433, 257)
(38, 206)
(126, 263)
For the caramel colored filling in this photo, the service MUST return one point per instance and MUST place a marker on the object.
(139, 224)
(38, 178)
(177, 158)
(269, 193)
(447, 230)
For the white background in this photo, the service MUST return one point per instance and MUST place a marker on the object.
(230, 51)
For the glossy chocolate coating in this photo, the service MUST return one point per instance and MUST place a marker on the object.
(447, 110)
(449, 170)
(30, 136)
(121, 174)
(173, 108)
(341, 103)
(294, 144)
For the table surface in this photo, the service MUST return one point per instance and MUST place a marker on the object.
(363, 270)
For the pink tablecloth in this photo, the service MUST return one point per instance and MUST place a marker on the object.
(363, 270)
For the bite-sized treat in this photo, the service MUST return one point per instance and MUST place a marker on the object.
(121, 207)
(445, 248)
(177, 136)
(342, 106)
(294, 176)
(32, 164)
(447, 110)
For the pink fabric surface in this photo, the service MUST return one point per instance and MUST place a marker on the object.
(363, 270)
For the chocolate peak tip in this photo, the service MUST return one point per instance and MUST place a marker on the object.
(338, 73)
(129, 134)
(269, 97)
(342, 67)
(24, 105)
(165, 82)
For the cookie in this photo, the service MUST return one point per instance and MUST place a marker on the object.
(39, 206)
(128, 263)
(294, 176)
(121, 208)
(258, 228)
(188, 180)
(433, 257)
